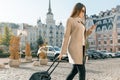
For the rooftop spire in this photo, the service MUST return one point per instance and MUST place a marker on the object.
(49, 9)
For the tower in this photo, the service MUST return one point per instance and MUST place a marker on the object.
(50, 20)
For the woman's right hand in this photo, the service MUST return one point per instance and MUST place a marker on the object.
(60, 56)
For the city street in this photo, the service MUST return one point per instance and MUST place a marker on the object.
(102, 69)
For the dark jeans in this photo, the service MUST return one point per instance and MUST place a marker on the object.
(78, 68)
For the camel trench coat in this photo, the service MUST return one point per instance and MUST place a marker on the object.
(73, 40)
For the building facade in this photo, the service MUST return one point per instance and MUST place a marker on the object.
(51, 33)
(107, 33)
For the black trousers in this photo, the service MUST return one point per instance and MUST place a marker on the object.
(78, 68)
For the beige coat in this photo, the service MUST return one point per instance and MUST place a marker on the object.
(73, 40)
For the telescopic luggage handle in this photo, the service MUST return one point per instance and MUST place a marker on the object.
(54, 66)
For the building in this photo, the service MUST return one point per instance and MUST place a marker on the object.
(51, 33)
(107, 33)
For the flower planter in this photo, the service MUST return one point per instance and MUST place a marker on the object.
(14, 63)
(28, 58)
(43, 61)
(2, 66)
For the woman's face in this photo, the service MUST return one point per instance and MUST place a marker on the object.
(82, 13)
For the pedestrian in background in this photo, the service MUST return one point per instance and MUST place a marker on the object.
(75, 40)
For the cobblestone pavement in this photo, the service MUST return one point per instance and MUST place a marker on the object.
(103, 69)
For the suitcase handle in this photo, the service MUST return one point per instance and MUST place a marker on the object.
(54, 66)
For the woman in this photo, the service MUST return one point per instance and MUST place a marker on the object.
(75, 40)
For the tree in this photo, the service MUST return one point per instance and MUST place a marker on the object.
(0, 38)
(40, 41)
(31, 46)
(6, 36)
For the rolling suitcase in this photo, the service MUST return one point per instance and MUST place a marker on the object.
(44, 75)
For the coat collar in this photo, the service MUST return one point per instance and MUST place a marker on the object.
(80, 20)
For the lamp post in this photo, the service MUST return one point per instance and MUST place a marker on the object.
(20, 45)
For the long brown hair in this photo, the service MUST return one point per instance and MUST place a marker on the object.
(77, 9)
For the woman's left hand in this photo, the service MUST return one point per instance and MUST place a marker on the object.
(93, 27)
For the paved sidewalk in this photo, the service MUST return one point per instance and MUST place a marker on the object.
(104, 69)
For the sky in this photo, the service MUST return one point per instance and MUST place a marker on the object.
(29, 11)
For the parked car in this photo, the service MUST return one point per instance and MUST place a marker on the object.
(101, 54)
(109, 54)
(92, 54)
(117, 54)
(95, 54)
(53, 52)
(57, 50)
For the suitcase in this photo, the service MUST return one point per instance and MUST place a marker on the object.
(44, 75)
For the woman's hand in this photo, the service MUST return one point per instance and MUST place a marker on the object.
(93, 27)
(60, 56)
(89, 31)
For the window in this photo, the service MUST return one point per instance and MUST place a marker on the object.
(92, 43)
(109, 21)
(99, 22)
(111, 41)
(56, 32)
(118, 34)
(51, 27)
(104, 21)
(57, 40)
(118, 40)
(105, 42)
(99, 42)
(110, 35)
(110, 27)
(51, 49)
(51, 32)
(104, 28)
(118, 25)
(118, 18)
(110, 49)
(119, 49)
(105, 36)
(98, 29)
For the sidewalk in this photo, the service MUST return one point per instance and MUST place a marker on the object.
(103, 69)
(4, 60)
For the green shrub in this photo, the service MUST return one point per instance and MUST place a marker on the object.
(1, 50)
(4, 55)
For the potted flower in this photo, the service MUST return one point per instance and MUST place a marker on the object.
(28, 56)
(14, 51)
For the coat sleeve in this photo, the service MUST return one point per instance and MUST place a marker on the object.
(66, 36)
